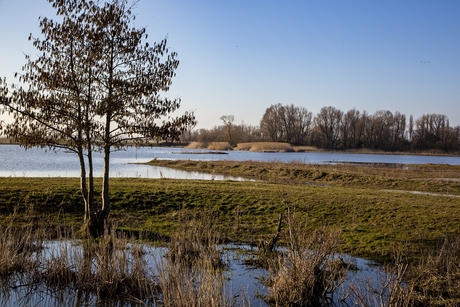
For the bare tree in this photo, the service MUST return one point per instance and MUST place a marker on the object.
(271, 125)
(328, 121)
(352, 129)
(228, 123)
(431, 131)
(289, 123)
(399, 130)
(95, 86)
(410, 128)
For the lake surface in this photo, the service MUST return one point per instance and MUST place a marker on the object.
(36, 162)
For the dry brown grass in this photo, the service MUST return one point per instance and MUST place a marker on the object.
(308, 273)
(192, 272)
(16, 248)
(306, 148)
(114, 269)
(437, 275)
(4, 140)
(388, 288)
(265, 147)
(196, 145)
(219, 146)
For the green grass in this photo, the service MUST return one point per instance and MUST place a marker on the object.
(371, 218)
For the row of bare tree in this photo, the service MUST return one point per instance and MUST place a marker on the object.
(332, 128)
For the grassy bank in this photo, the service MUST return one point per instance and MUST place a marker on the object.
(360, 201)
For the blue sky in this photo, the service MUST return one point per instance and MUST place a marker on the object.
(238, 57)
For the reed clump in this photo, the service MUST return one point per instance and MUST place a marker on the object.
(109, 268)
(436, 277)
(309, 271)
(17, 246)
(389, 288)
(192, 271)
(265, 147)
(210, 146)
(306, 148)
(196, 145)
(219, 146)
(116, 270)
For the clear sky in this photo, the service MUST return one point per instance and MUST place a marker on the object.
(238, 57)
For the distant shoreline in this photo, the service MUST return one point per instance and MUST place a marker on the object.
(5, 141)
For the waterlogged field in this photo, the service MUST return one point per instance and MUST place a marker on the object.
(384, 213)
(374, 207)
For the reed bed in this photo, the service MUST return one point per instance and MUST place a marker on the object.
(219, 146)
(192, 271)
(265, 147)
(306, 149)
(309, 271)
(388, 289)
(195, 145)
(16, 248)
(437, 274)
(115, 270)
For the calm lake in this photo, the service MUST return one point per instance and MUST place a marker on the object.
(35, 162)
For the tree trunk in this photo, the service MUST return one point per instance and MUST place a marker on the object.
(105, 185)
(83, 188)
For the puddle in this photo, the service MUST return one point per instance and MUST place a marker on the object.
(423, 193)
(241, 281)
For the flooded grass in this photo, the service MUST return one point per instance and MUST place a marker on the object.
(352, 198)
(192, 269)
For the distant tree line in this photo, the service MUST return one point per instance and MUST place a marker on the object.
(332, 128)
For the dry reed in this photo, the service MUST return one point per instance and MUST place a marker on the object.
(308, 273)
(109, 268)
(219, 146)
(265, 147)
(196, 145)
(16, 248)
(192, 271)
(306, 148)
(114, 270)
(437, 276)
(388, 289)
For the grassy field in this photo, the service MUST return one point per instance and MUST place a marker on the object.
(374, 207)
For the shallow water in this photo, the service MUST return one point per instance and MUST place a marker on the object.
(36, 162)
(241, 280)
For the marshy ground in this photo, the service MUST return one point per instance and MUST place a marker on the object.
(379, 210)
(374, 206)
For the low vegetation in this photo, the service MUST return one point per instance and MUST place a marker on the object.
(265, 147)
(414, 209)
(210, 146)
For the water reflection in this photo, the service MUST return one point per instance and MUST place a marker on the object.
(36, 162)
(240, 280)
